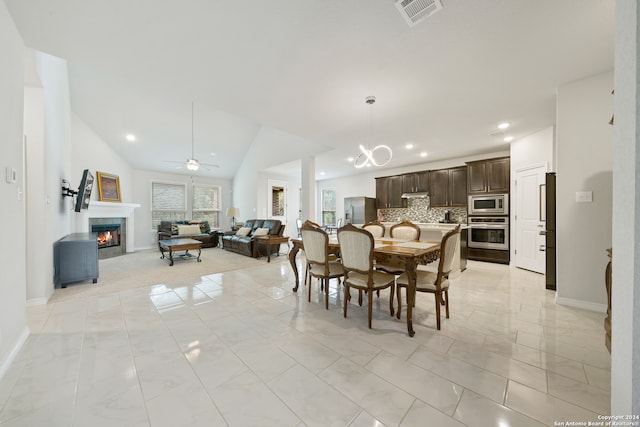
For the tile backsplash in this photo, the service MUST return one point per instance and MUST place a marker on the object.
(419, 210)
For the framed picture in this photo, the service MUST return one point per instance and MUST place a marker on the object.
(108, 187)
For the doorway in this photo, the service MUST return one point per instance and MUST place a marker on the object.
(529, 219)
(277, 201)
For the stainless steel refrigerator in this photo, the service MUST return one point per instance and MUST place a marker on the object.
(359, 210)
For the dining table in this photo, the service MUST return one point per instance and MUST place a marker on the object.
(405, 254)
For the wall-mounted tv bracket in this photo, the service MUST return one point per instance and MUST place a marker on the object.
(66, 191)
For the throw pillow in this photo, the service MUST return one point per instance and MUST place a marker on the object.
(188, 229)
(244, 231)
(203, 226)
(174, 228)
(261, 232)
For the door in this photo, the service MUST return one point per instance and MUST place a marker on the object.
(277, 201)
(530, 243)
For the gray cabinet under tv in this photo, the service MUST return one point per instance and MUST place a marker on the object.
(76, 259)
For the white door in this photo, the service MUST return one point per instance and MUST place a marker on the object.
(529, 219)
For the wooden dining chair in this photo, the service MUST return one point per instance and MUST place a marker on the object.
(376, 228)
(356, 252)
(405, 230)
(319, 264)
(435, 282)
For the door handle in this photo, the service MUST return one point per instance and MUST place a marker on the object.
(542, 248)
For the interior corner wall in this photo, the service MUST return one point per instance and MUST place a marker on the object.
(13, 322)
(270, 147)
(584, 164)
(56, 214)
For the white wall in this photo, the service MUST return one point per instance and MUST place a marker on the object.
(625, 328)
(48, 122)
(584, 163)
(365, 184)
(533, 150)
(89, 151)
(145, 235)
(292, 202)
(39, 280)
(13, 324)
(270, 147)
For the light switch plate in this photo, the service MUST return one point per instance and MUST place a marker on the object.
(584, 196)
(10, 175)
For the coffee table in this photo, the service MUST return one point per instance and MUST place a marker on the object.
(267, 241)
(175, 245)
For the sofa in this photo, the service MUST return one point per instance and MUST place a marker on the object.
(242, 241)
(183, 229)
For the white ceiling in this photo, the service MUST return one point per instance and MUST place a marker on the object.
(305, 67)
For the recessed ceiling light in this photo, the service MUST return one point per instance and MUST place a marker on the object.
(322, 173)
(504, 125)
(130, 137)
(508, 138)
(423, 154)
(213, 154)
(350, 159)
(409, 146)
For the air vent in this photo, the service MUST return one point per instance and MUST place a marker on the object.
(414, 11)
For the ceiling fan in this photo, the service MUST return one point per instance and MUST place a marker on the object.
(192, 163)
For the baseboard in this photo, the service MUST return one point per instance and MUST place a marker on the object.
(586, 305)
(37, 301)
(11, 355)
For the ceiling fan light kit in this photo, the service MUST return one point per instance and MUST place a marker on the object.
(192, 164)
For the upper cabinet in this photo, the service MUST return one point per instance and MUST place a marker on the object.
(489, 176)
(415, 182)
(389, 192)
(449, 187)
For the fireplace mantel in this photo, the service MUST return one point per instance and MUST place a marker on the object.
(110, 210)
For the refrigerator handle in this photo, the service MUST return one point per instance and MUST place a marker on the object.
(542, 202)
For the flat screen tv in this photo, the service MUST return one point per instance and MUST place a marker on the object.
(84, 191)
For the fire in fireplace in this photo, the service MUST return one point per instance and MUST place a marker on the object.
(108, 235)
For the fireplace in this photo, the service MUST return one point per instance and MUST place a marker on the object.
(108, 235)
(111, 236)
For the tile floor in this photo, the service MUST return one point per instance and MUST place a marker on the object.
(240, 349)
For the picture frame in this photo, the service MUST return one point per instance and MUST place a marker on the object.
(108, 187)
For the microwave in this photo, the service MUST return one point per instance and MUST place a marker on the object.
(488, 204)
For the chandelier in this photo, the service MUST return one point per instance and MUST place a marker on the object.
(379, 155)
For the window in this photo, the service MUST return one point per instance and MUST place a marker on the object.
(206, 204)
(168, 202)
(328, 206)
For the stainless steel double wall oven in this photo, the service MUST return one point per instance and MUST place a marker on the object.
(488, 220)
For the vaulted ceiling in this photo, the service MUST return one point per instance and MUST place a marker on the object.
(305, 67)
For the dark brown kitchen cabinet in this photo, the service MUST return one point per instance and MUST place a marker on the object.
(448, 187)
(489, 176)
(389, 192)
(415, 182)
